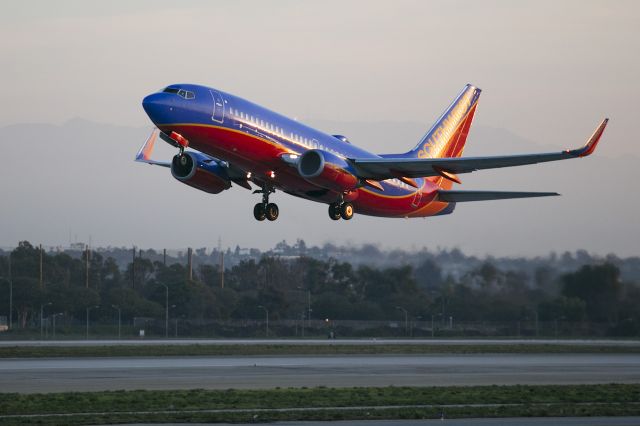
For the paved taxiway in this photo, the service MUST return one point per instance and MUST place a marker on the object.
(92, 374)
(302, 342)
(518, 421)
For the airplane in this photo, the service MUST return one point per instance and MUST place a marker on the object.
(224, 140)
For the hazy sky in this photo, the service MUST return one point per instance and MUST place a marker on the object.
(550, 70)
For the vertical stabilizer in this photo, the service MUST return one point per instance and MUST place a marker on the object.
(448, 135)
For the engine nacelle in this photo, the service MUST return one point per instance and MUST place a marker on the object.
(327, 170)
(200, 172)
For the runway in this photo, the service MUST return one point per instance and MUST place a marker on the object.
(345, 342)
(510, 421)
(93, 374)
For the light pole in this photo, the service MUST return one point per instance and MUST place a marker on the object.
(406, 318)
(119, 322)
(54, 323)
(432, 330)
(266, 311)
(176, 319)
(89, 309)
(10, 294)
(308, 313)
(42, 317)
(166, 313)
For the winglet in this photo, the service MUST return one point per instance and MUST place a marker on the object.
(144, 155)
(591, 144)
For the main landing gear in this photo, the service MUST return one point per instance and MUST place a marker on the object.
(342, 210)
(265, 209)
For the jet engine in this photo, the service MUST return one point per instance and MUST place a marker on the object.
(200, 172)
(327, 170)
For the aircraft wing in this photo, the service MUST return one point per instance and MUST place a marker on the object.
(144, 155)
(390, 167)
(461, 196)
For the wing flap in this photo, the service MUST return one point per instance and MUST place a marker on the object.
(462, 196)
(389, 167)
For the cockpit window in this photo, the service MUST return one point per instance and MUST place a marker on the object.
(186, 94)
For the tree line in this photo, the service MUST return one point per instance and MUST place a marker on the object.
(294, 287)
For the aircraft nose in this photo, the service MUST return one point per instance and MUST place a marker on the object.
(157, 106)
(151, 103)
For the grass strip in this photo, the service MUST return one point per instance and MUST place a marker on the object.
(198, 399)
(283, 349)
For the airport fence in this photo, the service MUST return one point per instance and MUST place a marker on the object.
(298, 328)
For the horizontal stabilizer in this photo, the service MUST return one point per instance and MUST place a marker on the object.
(144, 155)
(461, 196)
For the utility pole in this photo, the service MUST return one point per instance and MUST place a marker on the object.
(309, 307)
(221, 262)
(221, 270)
(432, 330)
(86, 276)
(119, 322)
(40, 280)
(266, 311)
(88, 310)
(406, 319)
(133, 268)
(10, 293)
(166, 304)
(42, 317)
(54, 323)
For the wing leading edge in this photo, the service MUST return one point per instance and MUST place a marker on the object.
(390, 167)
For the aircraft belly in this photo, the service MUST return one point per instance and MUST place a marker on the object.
(246, 152)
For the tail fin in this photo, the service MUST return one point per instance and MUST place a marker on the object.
(448, 135)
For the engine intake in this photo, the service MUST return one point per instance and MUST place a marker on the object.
(191, 169)
(327, 170)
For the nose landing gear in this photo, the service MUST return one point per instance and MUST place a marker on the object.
(265, 209)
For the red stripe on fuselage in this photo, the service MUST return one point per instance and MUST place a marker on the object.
(261, 156)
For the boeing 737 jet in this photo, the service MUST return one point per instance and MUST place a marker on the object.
(224, 140)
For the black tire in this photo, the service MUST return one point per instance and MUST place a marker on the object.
(259, 212)
(346, 211)
(334, 212)
(272, 211)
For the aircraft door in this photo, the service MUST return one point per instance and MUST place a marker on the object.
(417, 198)
(218, 107)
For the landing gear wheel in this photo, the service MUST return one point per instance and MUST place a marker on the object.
(334, 211)
(272, 211)
(259, 212)
(346, 211)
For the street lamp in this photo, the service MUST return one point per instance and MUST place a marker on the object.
(54, 322)
(166, 313)
(10, 293)
(42, 317)
(89, 309)
(406, 318)
(176, 319)
(308, 308)
(266, 311)
(119, 322)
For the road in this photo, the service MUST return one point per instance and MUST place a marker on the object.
(93, 374)
(142, 342)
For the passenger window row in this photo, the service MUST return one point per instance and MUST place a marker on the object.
(278, 131)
